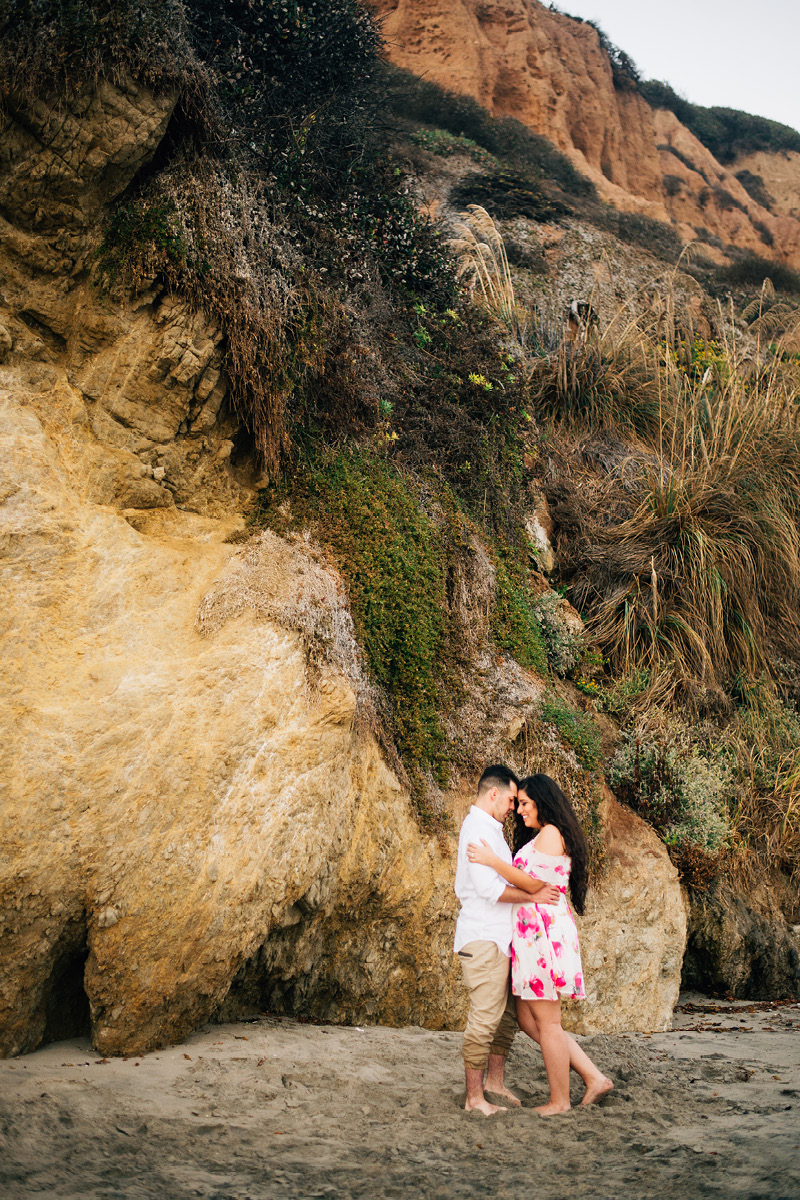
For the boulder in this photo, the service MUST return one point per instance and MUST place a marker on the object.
(740, 945)
(196, 801)
(632, 934)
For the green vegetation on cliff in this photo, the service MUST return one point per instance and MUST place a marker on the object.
(727, 132)
(367, 513)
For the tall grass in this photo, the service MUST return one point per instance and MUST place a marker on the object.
(701, 581)
(687, 563)
(609, 378)
(483, 265)
(764, 743)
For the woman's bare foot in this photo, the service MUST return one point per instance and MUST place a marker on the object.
(483, 1106)
(595, 1090)
(503, 1091)
(551, 1110)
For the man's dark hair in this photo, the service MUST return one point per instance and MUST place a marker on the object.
(496, 776)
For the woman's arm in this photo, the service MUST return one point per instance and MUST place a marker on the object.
(518, 879)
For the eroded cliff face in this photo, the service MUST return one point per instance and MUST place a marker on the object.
(523, 60)
(193, 797)
(780, 177)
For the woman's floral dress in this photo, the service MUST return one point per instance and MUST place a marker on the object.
(545, 957)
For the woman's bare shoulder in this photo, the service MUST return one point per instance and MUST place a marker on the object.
(550, 840)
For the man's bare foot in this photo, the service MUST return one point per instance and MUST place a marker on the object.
(502, 1090)
(551, 1110)
(483, 1106)
(595, 1090)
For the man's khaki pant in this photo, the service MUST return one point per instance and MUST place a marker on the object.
(492, 1020)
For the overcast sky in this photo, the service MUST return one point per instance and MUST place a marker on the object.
(740, 54)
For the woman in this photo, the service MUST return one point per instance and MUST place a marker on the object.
(545, 957)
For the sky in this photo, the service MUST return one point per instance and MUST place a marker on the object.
(739, 54)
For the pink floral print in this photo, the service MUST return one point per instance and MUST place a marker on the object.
(528, 925)
(545, 956)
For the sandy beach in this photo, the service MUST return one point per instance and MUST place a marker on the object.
(274, 1108)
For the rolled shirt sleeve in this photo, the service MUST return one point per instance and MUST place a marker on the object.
(486, 882)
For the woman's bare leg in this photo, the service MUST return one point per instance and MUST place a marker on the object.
(555, 1052)
(597, 1084)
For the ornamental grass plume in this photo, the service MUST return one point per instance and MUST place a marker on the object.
(483, 265)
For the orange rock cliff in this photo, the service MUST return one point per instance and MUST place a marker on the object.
(523, 60)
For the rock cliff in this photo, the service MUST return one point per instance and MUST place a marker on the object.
(195, 805)
(524, 60)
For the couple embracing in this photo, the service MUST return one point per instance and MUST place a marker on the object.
(518, 911)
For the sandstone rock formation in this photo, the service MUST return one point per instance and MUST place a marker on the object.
(176, 789)
(524, 60)
(633, 932)
(741, 946)
(191, 795)
(780, 178)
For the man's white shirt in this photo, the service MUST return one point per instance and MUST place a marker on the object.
(482, 918)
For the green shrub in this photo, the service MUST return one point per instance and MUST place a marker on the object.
(763, 231)
(725, 201)
(577, 729)
(564, 644)
(666, 148)
(139, 233)
(278, 60)
(769, 728)
(528, 257)
(624, 72)
(423, 101)
(472, 436)
(754, 186)
(62, 47)
(709, 238)
(750, 271)
(505, 194)
(679, 791)
(619, 697)
(444, 144)
(660, 239)
(378, 217)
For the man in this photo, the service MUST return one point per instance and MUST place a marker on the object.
(483, 942)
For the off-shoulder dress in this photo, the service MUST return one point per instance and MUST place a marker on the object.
(545, 956)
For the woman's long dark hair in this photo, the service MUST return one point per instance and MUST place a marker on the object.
(554, 808)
